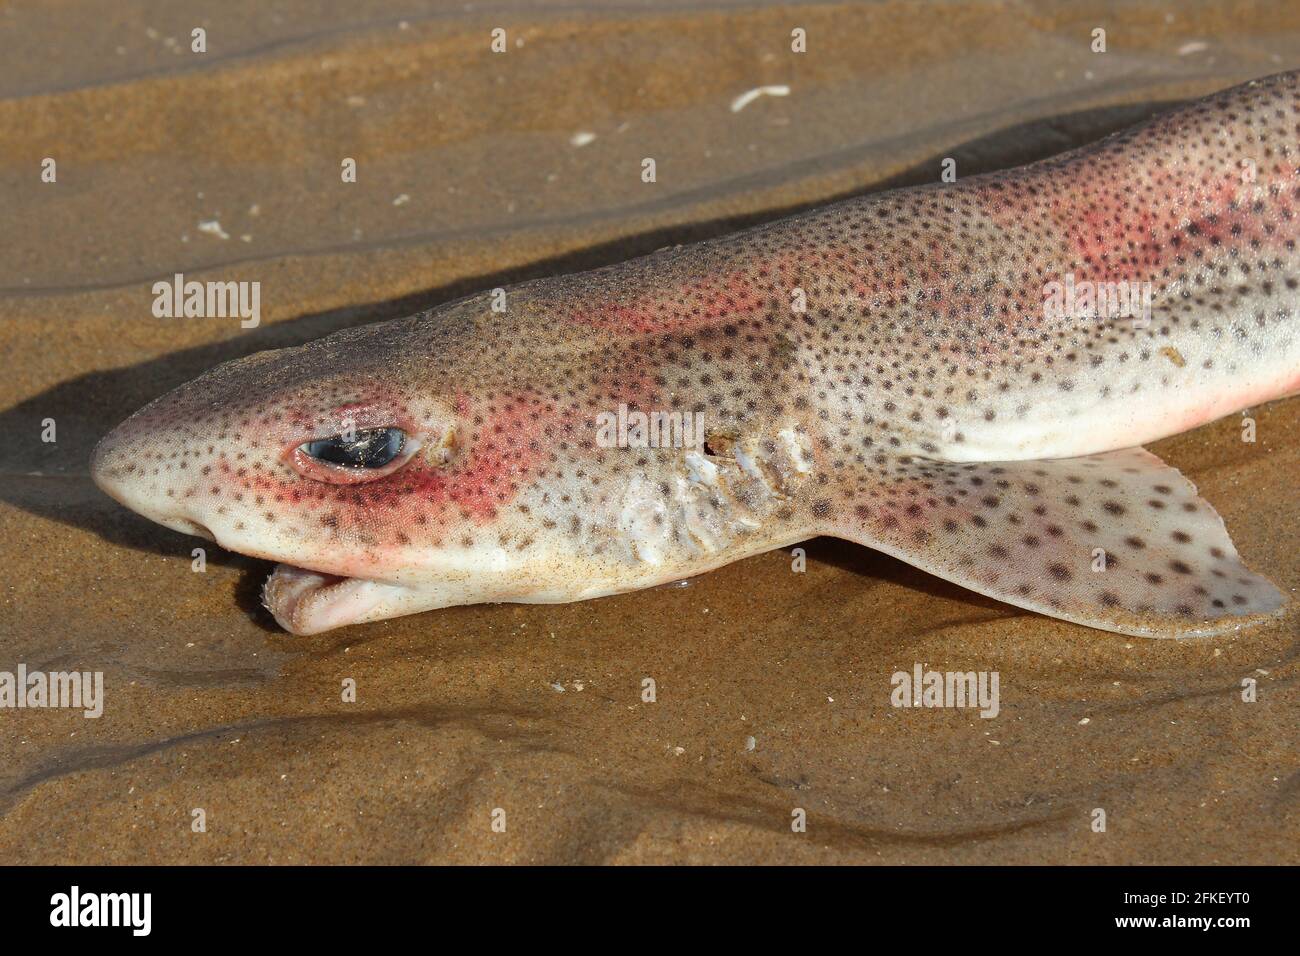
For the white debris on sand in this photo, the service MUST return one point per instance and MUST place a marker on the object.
(744, 99)
(213, 228)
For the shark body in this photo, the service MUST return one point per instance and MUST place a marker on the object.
(915, 370)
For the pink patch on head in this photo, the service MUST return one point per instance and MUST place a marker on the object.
(504, 450)
(497, 448)
(509, 444)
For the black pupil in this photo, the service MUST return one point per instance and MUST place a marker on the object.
(372, 448)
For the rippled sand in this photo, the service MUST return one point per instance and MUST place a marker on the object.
(473, 173)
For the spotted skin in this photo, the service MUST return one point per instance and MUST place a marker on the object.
(882, 369)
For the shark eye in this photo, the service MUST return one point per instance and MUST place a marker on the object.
(369, 448)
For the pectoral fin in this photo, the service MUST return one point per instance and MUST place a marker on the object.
(1118, 541)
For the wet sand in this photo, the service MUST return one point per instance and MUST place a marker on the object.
(469, 177)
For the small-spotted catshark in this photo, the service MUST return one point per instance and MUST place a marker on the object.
(897, 369)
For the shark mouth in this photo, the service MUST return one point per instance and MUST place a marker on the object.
(308, 602)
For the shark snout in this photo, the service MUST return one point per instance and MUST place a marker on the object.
(122, 466)
(114, 467)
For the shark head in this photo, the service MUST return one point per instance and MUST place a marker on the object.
(429, 462)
